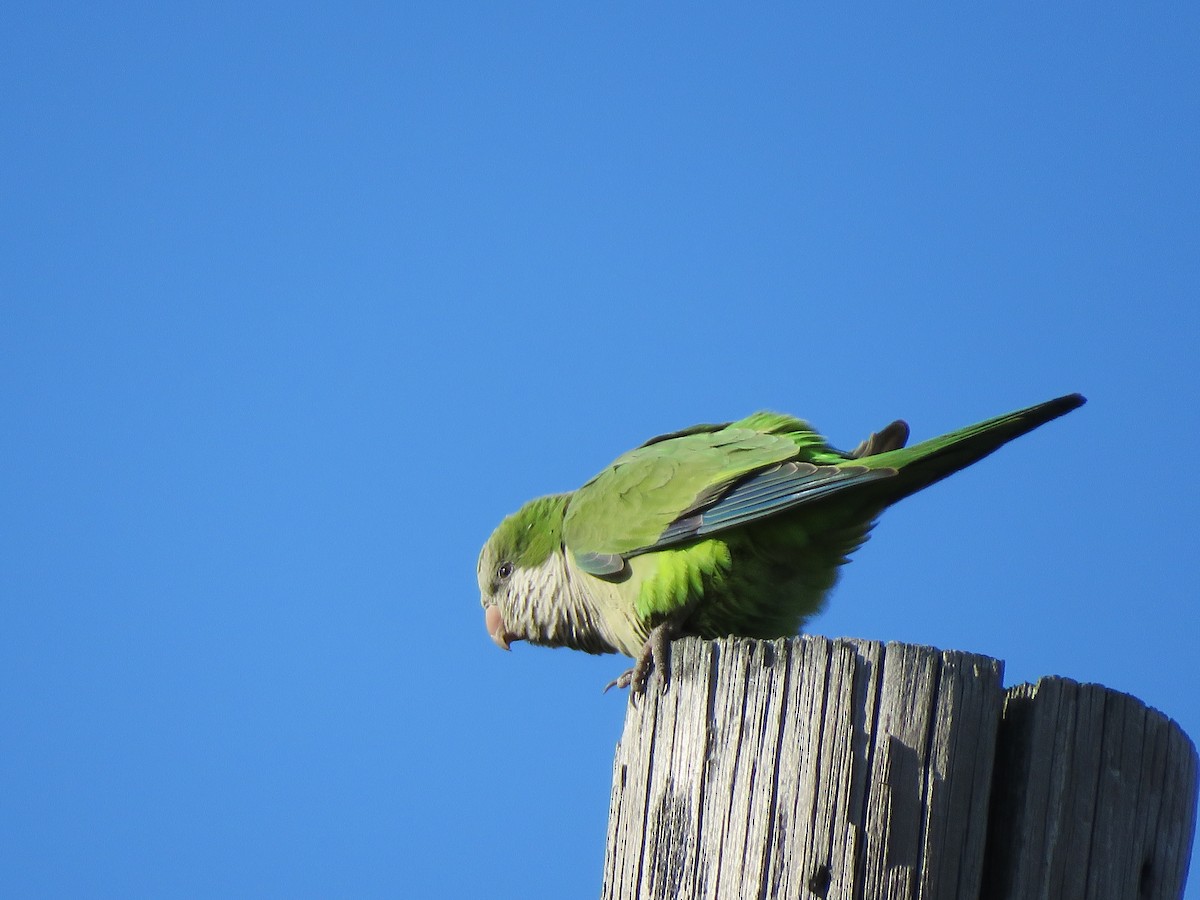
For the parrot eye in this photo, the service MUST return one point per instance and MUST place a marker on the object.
(504, 570)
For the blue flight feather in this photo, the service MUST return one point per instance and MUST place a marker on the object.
(601, 564)
(773, 491)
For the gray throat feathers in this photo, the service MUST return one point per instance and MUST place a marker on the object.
(560, 611)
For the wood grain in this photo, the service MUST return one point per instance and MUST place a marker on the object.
(822, 768)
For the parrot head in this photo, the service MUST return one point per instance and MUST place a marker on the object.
(522, 573)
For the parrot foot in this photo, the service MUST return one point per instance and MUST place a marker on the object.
(656, 654)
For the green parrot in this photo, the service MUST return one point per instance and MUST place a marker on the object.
(731, 529)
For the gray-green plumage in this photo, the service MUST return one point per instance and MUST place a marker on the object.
(737, 528)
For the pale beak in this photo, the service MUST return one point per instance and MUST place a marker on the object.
(495, 627)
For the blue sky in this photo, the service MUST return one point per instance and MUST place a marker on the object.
(298, 301)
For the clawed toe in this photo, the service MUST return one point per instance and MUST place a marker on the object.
(621, 681)
(635, 679)
(656, 654)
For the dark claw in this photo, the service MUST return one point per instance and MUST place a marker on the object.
(621, 681)
(656, 654)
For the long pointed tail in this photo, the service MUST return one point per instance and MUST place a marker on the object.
(922, 464)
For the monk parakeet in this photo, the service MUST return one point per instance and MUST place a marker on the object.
(732, 529)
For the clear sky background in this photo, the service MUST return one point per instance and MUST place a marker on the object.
(298, 301)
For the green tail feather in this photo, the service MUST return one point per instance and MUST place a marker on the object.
(929, 461)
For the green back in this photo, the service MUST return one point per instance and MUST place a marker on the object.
(626, 507)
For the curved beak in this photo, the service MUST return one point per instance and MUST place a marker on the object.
(495, 627)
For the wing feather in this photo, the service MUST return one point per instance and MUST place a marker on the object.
(629, 504)
(702, 481)
(776, 490)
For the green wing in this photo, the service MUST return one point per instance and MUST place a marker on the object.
(702, 481)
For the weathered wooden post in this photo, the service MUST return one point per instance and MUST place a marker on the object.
(812, 768)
